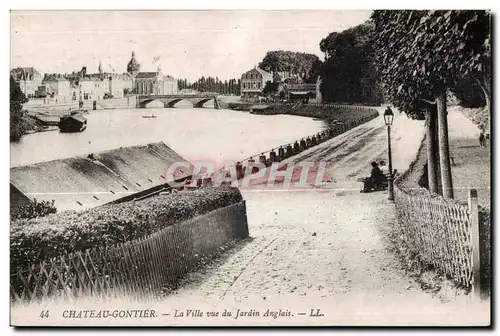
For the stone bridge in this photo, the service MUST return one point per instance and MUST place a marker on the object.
(170, 100)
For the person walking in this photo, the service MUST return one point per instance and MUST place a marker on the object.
(482, 139)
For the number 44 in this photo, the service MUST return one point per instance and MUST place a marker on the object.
(44, 313)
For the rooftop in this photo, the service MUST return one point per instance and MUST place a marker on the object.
(20, 72)
(263, 72)
(146, 75)
(259, 70)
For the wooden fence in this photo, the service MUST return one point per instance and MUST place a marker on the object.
(139, 269)
(445, 233)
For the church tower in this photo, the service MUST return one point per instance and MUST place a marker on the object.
(133, 66)
(99, 69)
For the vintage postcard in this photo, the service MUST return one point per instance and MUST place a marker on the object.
(250, 168)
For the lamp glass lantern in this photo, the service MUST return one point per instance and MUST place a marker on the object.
(388, 117)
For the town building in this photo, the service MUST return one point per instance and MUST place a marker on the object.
(93, 88)
(253, 82)
(80, 85)
(294, 88)
(42, 91)
(154, 83)
(55, 86)
(28, 78)
(119, 84)
(100, 85)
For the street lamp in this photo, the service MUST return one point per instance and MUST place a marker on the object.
(389, 118)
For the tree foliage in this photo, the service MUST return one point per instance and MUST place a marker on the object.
(270, 88)
(290, 63)
(18, 124)
(469, 93)
(348, 73)
(211, 84)
(422, 54)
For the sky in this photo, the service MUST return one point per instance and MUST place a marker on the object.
(189, 44)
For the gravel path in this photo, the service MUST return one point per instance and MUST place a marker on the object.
(320, 248)
(326, 247)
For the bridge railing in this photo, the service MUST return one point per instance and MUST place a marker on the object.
(178, 95)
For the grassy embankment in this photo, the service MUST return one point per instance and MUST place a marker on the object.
(327, 113)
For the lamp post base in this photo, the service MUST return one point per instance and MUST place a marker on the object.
(391, 188)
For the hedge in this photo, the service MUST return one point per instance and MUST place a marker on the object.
(35, 240)
(343, 114)
(33, 209)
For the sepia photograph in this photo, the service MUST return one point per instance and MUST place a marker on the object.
(250, 168)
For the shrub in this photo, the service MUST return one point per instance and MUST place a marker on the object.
(478, 116)
(33, 210)
(38, 239)
(18, 124)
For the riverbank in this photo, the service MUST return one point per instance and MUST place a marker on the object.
(38, 106)
(326, 112)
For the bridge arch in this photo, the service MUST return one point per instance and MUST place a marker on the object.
(171, 103)
(202, 102)
(144, 103)
(172, 100)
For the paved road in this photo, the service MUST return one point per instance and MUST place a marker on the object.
(324, 247)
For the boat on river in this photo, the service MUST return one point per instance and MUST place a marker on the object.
(74, 122)
(149, 116)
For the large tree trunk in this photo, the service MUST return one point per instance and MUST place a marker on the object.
(444, 147)
(432, 149)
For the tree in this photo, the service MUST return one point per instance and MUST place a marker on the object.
(420, 55)
(290, 63)
(315, 71)
(276, 77)
(348, 74)
(210, 84)
(472, 55)
(270, 88)
(18, 124)
(469, 93)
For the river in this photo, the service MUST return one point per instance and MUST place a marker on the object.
(221, 136)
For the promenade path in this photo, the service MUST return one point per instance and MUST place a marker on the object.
(325, 248)
(471, 167)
